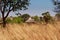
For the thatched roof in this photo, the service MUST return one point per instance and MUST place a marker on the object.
(30, 20)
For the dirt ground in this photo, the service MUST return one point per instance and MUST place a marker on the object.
(30, 32)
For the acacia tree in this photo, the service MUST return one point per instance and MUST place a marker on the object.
(12, 5)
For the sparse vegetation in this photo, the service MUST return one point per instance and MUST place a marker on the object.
(14, 20)
(17, 20)
(47, 17)
(36, 18)
(57, 16)
(25, 17)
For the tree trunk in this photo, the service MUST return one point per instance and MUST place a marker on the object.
(4, 17)
(4, 22)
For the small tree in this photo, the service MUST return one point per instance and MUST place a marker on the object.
(25, 17)
(11, 5)
(46, 17)
(36, 18)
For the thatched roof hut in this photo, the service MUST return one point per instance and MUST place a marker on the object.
(30, 20)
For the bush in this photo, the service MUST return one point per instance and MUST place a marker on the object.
(8, 20)
(25, 17)
(41, 19)
(36, 18)
(15, 20)
(46, 17)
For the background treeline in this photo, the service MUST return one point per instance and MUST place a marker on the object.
(45, 18)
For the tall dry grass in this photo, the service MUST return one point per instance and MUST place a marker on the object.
(30, 32)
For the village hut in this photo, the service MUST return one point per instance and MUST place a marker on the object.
(30, 20)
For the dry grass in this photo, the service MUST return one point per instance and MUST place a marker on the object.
(30, 32)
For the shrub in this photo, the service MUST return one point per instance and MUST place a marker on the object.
(25, 17)
(8, 20)
(17, 20)
(46, 17)
(14, 20)
(36, 18)
(41, 20)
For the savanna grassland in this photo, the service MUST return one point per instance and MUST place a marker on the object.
(30, 32)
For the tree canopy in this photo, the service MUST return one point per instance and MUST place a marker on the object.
(25, 17)
(12, 5)
(47, 17)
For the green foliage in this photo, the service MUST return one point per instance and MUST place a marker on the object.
(8, 20)
(46, 16)
(14, 4)
(15, 20)
(19, 19)
(25, 17)
(36, 18)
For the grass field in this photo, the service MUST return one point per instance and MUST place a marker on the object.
(30, 32)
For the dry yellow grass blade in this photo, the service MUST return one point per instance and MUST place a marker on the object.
(30, 32)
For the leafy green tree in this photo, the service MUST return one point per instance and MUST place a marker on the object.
(46, 17)
(12, 5)
(14, 20)
(25, 17)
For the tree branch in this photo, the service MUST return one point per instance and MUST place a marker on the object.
(3, 10)
(10, 10)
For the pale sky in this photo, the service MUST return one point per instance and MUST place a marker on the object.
(37, 7)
